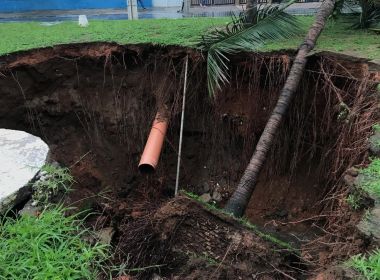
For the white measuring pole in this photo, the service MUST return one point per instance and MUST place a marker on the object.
(181, 129)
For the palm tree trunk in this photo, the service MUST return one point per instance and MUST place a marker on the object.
(240, 198)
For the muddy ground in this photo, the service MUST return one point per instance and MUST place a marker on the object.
(94, 103)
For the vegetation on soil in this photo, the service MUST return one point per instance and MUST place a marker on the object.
(53, 180)
(337, 36)
(353, 200)
(368, 266)
(371, 182)
(49, 246)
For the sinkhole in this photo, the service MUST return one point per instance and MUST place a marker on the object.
(94, 104)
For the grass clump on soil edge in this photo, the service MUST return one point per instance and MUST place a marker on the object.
(49, 246)
(371, 181)
(53, 180)
(243, 221)
(368, 266)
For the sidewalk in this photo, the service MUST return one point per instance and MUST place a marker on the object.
(295, 9)
(94, 14)
(150, 13)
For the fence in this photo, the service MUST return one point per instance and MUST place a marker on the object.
(241, 2)
(212, 2)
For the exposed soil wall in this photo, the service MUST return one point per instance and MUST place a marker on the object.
(94, 104)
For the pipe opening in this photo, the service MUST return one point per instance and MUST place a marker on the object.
(146, 168)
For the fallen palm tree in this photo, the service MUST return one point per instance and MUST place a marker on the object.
(239, 200)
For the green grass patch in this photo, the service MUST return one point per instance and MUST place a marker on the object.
(28, 35)
(337, 36)
(353, 200)
(371, 181)
(368, 266)
(376, 127)
(48, 247)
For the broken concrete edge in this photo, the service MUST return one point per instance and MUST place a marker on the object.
(19, 197)
(10, 202)
(271, 237)
(24, 196)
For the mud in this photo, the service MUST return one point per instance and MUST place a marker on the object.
(94, 103)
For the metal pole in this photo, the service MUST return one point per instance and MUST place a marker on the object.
(132, 9)
(181, 130)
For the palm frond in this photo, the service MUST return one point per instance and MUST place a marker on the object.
(269, 23)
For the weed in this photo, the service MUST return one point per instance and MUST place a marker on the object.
(368, 266)
(353, 200)
(53, 180)
(48, 247)
(376, 127)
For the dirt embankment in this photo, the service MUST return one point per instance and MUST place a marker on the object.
(94, 103)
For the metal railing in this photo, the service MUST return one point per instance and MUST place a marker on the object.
(243, 2)
(212, 2)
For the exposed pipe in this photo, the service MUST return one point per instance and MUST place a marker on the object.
(150, 156)
(181, 130)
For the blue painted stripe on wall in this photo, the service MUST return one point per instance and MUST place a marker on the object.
(33, 5)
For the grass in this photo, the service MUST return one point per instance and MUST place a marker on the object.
(368, 266)
(353, 200)
(27, 35)
(48, 247)
(371, 182)
(336, 37)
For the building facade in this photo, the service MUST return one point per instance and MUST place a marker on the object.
(9, 6)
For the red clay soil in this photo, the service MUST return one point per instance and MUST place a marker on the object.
(93, 104)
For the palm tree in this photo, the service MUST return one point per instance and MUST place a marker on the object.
(240, 198)
(244, 33)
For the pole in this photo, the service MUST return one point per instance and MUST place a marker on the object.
(181, 129)
(132, 9)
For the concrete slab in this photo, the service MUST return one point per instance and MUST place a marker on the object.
(21, 156)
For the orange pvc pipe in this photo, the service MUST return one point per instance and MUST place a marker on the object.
(150, 156)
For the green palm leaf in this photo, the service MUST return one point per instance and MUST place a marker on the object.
(269, 23)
